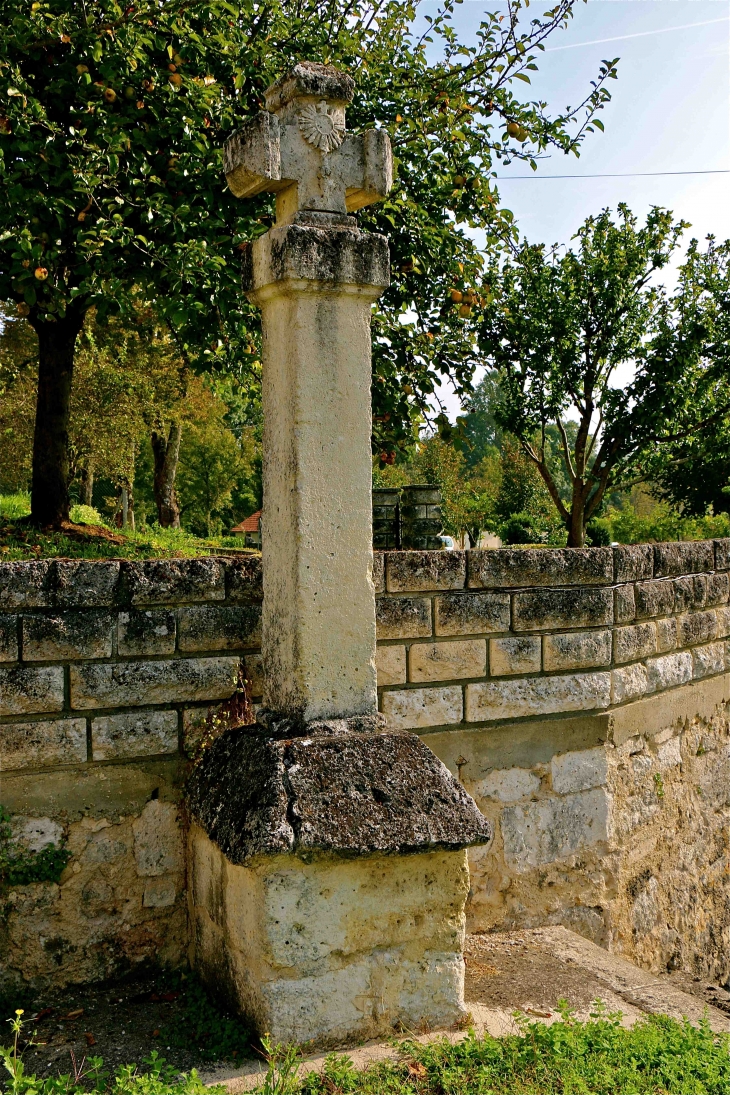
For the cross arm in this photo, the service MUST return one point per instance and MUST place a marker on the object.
(252, 157)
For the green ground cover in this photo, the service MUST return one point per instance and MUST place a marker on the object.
(20, 541)
(658, 1056)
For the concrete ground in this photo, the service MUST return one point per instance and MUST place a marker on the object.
(530, 971)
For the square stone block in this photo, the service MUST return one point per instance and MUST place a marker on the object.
(42, 744)
(547, 608)
(515, 699)
(403, 617)
(417, 708)
(514, 656)
(134, 734)
(146, 631)
(331, 950)
(471, 613)
(390, 664)
(68, 636)
(576, 650)
(448, 660)
(413, 571)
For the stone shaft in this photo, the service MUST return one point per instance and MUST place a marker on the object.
(315, 284)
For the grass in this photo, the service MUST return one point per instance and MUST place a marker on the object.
(658, 1056)
(19, 541)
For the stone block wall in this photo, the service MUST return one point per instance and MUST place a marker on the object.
(107, 673)
(581, 696)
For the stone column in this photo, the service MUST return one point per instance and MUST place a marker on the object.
(326, 856)
(315, 282)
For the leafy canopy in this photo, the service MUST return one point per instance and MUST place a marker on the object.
(112, 121)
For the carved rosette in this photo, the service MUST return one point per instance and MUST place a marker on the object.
(320, 128)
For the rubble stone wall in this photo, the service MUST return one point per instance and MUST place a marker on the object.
(582, 697)
(107, 673)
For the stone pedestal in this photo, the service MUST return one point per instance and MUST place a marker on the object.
(327, 869)
(328, 882)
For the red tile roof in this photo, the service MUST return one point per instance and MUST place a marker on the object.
(251, 524)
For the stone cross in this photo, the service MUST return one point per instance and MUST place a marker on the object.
(315, 276)
(299, 148)
(318, 839)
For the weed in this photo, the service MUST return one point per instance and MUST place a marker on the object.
(658, 785)
(202, 1025)
(19, 867)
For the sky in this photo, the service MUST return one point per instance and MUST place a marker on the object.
(670, 112)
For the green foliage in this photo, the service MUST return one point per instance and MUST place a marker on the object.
(85, 515)
(557, 327)
(202, 1025)
(16, 505)
(625, 526)
(19, 867)
(89, 1078)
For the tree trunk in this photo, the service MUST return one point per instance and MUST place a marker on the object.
(166, 451)
(49, 504)
(87, 485)
(576, 525)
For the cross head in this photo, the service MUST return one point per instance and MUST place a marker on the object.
(299, 148)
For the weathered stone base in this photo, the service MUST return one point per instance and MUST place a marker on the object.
(331, 950)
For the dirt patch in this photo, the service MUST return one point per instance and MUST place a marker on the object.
(520, 974)
(123, 1023)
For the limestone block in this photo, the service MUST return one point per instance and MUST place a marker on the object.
(654, 599)
(25, 691)
(633, 562)
(403, 617)
(579, 771)
(507, 785)
(8, 638)
(543, 608)
(157, 840)
(146, 631)
(668, 671)
(379, 571)
(332, 949)
(669, 753)
(42, 744)
(516, 567)
(666, 635)
(171, 581)
(412, 571)
(554, 829)
(708, 659)
(416, 708)
(244, 578)
(83, 583)
(35, 833)
(67, 636)
(628, 683)
(690, 592)
(624, 604)
(576, 650)
(134, 734)
(633, 643)
(134, 683)
(690, 557)
(718, 589)
(696, 627)
(390, 662)
(471, 613)
(514, 656)
(24, 585)
(448, 660)
(722, 554)
(218, 627)
(514, 699)
(159, 893)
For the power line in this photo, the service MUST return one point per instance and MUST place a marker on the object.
(618, 175)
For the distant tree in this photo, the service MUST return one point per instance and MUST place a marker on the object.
(557, 328)
(480, 434)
